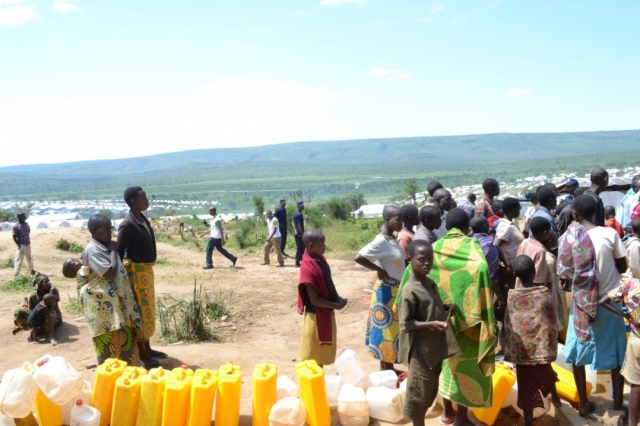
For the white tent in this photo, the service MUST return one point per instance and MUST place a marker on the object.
(78, 223)
(370, 211)
(6, 226)
(116, 224)
(65, 223)
(41, 225)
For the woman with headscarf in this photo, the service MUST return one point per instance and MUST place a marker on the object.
(41, 286)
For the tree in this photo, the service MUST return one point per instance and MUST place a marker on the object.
(7, 216)
(356, 199)
(258, 205)
(339, 208)
(411, 189)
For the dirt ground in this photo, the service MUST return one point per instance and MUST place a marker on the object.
(264, 325)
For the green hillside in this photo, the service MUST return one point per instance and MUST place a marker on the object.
(325, 169)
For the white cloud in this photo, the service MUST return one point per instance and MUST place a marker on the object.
(390, 75)
(65, 5)
(230, 112)
(338, 2)
(437, 9)
(518, 92)
(14, 13)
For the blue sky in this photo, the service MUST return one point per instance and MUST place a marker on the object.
(84, 80)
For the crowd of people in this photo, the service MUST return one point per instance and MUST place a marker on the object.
(458, 286)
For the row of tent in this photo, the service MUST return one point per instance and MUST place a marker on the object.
(39, 224)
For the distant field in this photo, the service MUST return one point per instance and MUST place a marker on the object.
(325, 169)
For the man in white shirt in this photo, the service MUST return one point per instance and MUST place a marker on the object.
(273, 239)
(628, 203)
(216, 240)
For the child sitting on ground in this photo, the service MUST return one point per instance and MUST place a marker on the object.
(535, 249)
(629, 293)
(317, 299)
(426, 338)
(611, 222)
(430, 219)
(531, 338)
(40, 317)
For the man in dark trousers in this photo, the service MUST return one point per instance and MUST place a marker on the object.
(281, 215)
(298, 231)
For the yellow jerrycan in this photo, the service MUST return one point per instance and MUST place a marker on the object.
(177, 388)
(228, 396)
(502, 380)
(152, 397)
(104, 385)
(203, 393)
(312, 393)
(126, 397)
(566, 385)
(264, 380)
(48, 413)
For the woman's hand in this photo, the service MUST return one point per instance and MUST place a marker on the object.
(383, 275)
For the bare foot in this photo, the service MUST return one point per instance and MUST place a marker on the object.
(30, 339)
(585, 409)
(54, 341)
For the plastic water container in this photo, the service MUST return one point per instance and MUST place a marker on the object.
(384, 378)
(177, 391)
(152, 397)
(312, 393)
(332, 385)
(288, 411)
(353, 407)
(566, 385)
(384, 404)
(126, 397)
(6, 420)
(203, 393)
(57, 379)
(351, 371)
(264, 380)
(503, 379)
(18, 391)
(84, 415)
(103, 386)
(592, 375)
(228, 396)
(286, 388)
(537, 412)
(47, 413)
(85, 395)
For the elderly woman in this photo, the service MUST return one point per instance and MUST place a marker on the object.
(42, 286)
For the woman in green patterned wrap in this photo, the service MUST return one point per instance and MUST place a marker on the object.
(462, 274)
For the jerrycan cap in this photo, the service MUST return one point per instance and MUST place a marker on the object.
(78, 403)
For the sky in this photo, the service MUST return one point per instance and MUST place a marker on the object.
(83, 80)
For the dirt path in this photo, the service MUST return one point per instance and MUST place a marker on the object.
(264, 325)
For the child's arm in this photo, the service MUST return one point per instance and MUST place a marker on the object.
(113, 270)
(407, 319)
(362, 261)
(319, 302)
(605, 302)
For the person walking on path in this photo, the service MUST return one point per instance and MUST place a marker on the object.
(273, 240)
(281, 215)
(298, 231)
(22, 238)
(216, 240)
(137, 249)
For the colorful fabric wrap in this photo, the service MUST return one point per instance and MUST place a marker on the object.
(142, 282)
(462, 275)
(383, 330)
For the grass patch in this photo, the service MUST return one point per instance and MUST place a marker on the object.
(217, 304)
(166, 262)
(187, 320)
(65, 245)
(72, 306)
(7, 263)
(19, 284)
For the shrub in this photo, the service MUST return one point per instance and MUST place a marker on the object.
(187, 320)
(65, 245)
(339, 208)
(19, 284)
(314, 218)
(246, 228)
(7, 263)
(73, 306)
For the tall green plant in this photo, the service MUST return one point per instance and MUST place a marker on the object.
(339, 208)
(258, 205)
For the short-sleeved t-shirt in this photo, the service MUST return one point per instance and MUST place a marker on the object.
(271, 225)
(598, 218)
(537, 252)
(404, 238)
(608, 247)
(511, 238)
(39, 315)
(97, 256)
(216, 227)
(484, 207)
(387, 254)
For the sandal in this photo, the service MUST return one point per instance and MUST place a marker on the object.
(157, 354)
(151, 364)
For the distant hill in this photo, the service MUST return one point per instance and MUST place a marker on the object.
(325, 169)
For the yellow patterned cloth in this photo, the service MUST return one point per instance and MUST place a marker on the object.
(461, 272)
(383, 331)
(141, 278)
